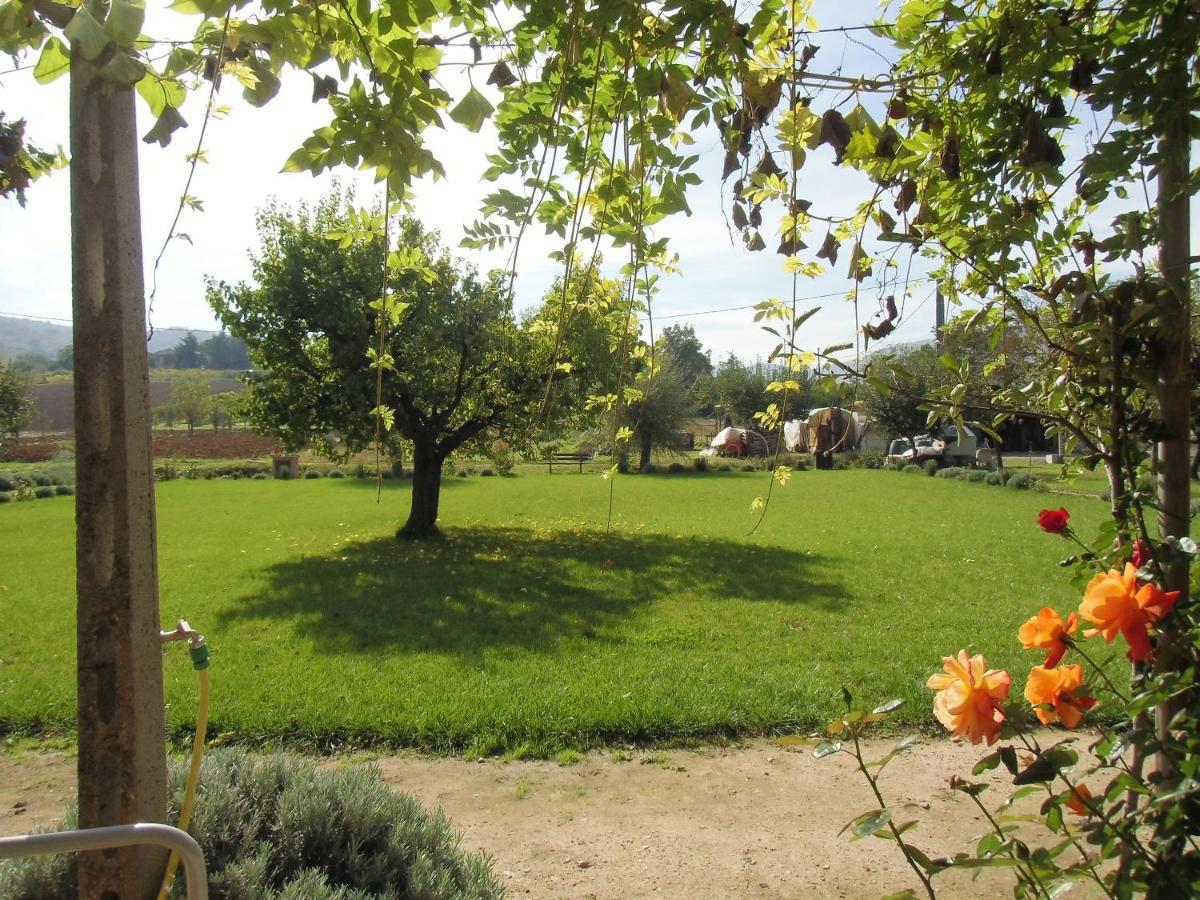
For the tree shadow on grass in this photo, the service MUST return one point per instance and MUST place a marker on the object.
(495, 588)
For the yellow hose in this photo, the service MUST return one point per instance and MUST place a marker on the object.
(193, 781)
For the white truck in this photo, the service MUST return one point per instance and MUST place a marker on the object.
(949, 448)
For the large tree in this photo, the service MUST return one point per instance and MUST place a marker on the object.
(659, 409)
(457, 365)
(693, 363)
(187, 352)
(16, 406)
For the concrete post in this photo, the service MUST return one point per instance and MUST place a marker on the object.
(122, 761)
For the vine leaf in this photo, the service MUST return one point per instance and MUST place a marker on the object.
(501, 75)
(836, 133)
(472, 110)
(124, 22)
(84, 30)
(265, 86)
(829, 249)
(323, 86)
(123, 71)
(860, 263)
(168, 123)
(54, 62)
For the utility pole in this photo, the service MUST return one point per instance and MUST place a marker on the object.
(122, 760)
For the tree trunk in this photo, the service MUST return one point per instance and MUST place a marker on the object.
(1174, 388)
(426, 490)
(121, 763)
(644, 440)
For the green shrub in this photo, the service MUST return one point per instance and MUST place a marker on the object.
(912, 468)
(1022, 481)
(5, 497)
(312, 473)
(259, 476)
(977, 476)
(461, 473)
(700, 464)
(7, 483)
(995, 477)
(749, 467)
(46, 490)
(487, 471)
(387, 473)
(64, 490)
(1194, 506)
(676, 467)
(284, 474)
(335, 473)
(277, 828)
(1144, 484)
(724, 467)
(41, 479)
(622, 462)
(361, 471)
(950, 472)
(649, 469)
(798, 461)
(869, 459)
(930, 466)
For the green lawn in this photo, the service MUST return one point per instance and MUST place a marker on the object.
(530, 630)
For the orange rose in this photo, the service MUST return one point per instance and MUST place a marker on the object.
(1052, 693)
(969, 697)
(1079, 800)
(1047, 631)
(1115, 602)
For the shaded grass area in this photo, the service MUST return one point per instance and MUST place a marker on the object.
(530, 630)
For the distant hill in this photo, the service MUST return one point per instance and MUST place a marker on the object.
(19, 336)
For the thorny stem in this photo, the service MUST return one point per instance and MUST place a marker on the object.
(862, 767)
(1075, 645)
(1024, 870)
(1091, 864)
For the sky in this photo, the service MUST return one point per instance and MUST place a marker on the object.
(717, 283)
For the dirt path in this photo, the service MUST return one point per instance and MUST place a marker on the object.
(753, 821)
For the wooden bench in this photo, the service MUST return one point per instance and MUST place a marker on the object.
(577, 459)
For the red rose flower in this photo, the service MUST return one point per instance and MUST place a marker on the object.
(1054, 521)
(1141, 553)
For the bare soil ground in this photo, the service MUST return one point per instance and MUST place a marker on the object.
(753, 821)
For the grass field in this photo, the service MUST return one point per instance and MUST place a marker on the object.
(529, 630)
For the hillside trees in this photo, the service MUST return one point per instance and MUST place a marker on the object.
(458, 366)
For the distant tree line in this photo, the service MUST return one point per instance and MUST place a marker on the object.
(221, 351)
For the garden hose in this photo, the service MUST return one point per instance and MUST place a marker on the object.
(199, 653)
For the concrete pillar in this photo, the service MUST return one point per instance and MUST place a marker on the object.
(122, 763)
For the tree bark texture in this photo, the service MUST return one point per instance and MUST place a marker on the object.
(122, 760)
(645, 449)
(426, 491)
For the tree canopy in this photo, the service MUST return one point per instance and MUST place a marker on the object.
(456, 367)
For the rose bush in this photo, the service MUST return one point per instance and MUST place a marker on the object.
(1135, 834)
